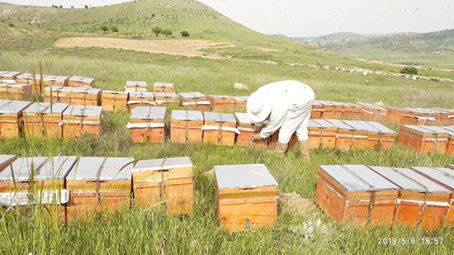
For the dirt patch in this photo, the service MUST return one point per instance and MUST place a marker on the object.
(7, 11)
(295, 204)
(187, 48)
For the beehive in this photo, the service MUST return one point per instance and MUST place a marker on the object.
(219, 128)
(16, 176)
(373, 112)
(445, 178)
(322, 133)
(345, 134)
(331, 109)
(194, 100)
(114, 100)
(240, 103)
(355, 194)
(420, 116)
(52, 94)
(8, 75)
(247, 129)
(186, 126)
(246, 197)
(11, 113)
(424, 139)
(141, 99)
(78, 120)
(381, 137)
(147, 124)
(15, 91)
(445, 116)
(365, 136)
(80, 81)
(136, 86)
(80, 96)
(167, 182)
(166, 98)
(322, 111)
(55, 80)
(44, 120)
(163, 87)
(222, 103)
(6, 160)
(450, 146)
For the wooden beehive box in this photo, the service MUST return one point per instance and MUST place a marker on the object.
(16, 176)
(445, 178)
(166, 98)
(141, 99)
(186, 126)
(194, 101)
(44, 120)
(6, 160)
(246, 197)
(323, 109)
(163, 87)
(167, 181)
(11, 113)
(26, 78)
(147, 124)
(80, 81)
(356, 195)
(361, 132)
(450, 145)
(15, 91)
(424, 139)
(247, 129)
(136, 86)
(219, 128)
(373, 112)
(53, 94)
(8, 75)
(322, 133)
(114, 100)
(240, 103)
(386, 137)
(55, 80)
(80, 96)
(344, 136)
(445, 116)
(78, 120)
(417, 116)
(222, 103)
(351, 111)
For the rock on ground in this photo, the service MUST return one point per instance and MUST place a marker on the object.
(240, 86)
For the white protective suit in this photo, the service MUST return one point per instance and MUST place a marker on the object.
(284, 105)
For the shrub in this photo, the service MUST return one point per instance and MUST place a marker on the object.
(104, 28)
(409, 70)
(156, 30)
(184, 33)
(166, 32)
(114, 29)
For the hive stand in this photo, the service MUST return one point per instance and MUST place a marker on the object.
(147, 124)
(186, 126)
(219, 128)
(222, 103)
(15, 91)
(424, 139)
(114, 100)
(78, 120)
(11, 122)
(247, 129)
(163, 87)
(246, 197)
(44, 120)
(194, 101)
(80, 81)
(165, 183)
(136, 86)
(141, 98)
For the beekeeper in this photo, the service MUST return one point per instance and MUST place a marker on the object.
(285, 106)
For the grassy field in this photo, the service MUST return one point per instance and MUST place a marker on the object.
(26, 45)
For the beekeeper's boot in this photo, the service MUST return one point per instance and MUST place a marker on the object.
(304, 149)
(281, 148)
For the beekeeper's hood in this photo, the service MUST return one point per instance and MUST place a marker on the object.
(258, 107)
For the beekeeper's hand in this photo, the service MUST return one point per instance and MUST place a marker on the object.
(256, 137)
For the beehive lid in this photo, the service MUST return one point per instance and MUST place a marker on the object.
(437, 130)
(372, 178)
(443, 175)
(361, 125)
(13, 106)
(399, 179)
(192, 95)
(75, 89)
(116, 169)
(4, 159)
(372, 106)
(163, 84)
(85, 111)
(420, 129)
(148, 113)
(136, 83)
(243, 176)
(54, 88)
(220, 96)
(55, 77)
(20, 169)
(243, 118)
(114, 92)
(165, 94)
(56, 168)
(241, 98)
(430, 186)
(381, 128)
(141, 94)
(341, 124)
(44, 108)
(423, 110)
(8, 73)
(186, 115)
(346, 178)
(25, 76)
(86, 169)
(81, 79)
(219, 117)
(320, 123)
(14, 85)
(162, 164)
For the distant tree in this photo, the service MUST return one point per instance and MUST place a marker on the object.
(86, 6)
(184, 33)
(114, 29)
(156, 30)
(409, 70)
(166, 32)
(61, 6)
(104, 28)
(153, 15)
(72, 6)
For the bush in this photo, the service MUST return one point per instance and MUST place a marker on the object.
(166, 32)
(184, 33)
(104, 28)
(156, 30)
(114, 29)
(409, 70)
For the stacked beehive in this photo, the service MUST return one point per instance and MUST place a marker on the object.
(222, 103)
(246, 197)
(55, 80)
(194, 100)
(136, 86)
(421, 116)
(186, 126)
(322, 133)
(337, 110)
(80, 81)
(240, 103)
(219, 128)
(373, 112)
(428, 139)
(167, 182)
(27, 78)
(8, 75)
(44, 120)
(15, 91)
(163, 87)
(147, 124)
(246, 130)
(140, 99)
(166, 98)
(52, 94)
(114, 100)
(80, 96)
(11, 113)
(78, 120)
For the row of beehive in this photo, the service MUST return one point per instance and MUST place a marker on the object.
(79, 188)
(428, 139)
(386, 196)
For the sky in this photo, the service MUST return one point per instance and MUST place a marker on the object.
(304, 18)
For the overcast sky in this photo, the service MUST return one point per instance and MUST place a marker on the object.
(319, 17)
